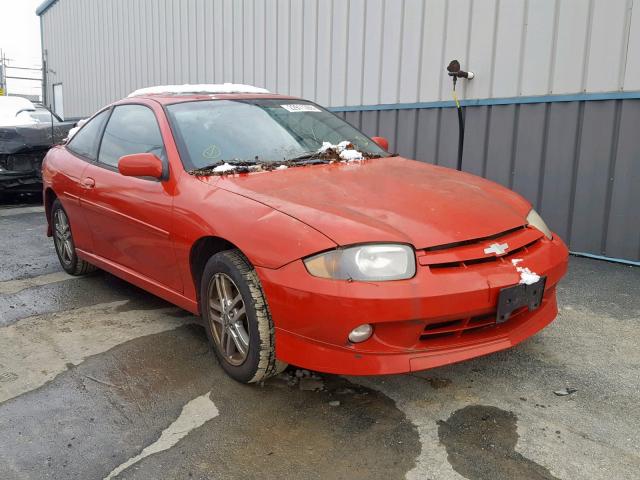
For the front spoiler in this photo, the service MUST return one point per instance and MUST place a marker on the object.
(342, 360)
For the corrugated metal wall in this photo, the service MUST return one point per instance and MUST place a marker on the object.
(342, 52)
(578, 163)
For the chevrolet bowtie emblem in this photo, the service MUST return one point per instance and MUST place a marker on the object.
(497, 248)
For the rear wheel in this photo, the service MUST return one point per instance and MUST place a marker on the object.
(237, 318)
(63, 241)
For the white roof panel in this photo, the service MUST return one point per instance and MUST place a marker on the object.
(211, 88)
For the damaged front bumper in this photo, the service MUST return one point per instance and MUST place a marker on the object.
(21, 172)
(22, 149)
(441, 316)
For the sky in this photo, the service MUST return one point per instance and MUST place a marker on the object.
(20, 42)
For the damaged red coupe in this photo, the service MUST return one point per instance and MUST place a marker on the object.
(296, 237)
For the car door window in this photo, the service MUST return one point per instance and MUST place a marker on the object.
(87, 140)
(131, 129)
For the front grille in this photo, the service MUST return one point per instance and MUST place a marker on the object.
(457, 328)
(476, 261)
(470, 253)
(475, 240)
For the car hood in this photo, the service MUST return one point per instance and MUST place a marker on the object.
(387, 199)
(18, 138)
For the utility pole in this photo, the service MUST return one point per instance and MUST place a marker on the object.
(3, 73)
(44, 77)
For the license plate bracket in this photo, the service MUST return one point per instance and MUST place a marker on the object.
(517, 296)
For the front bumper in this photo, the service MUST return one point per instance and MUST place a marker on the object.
(440, 316)
(20, 181)
(21, 172)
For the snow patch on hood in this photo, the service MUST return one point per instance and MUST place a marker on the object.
(527, 276)
(225, 167)
(211, 88)
(22, 119)
(9, 108)
(344, 149)
(351, 155)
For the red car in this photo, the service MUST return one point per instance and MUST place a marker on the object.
(296, 237)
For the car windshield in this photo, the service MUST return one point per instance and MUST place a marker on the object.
(42, 115)
(211, 132)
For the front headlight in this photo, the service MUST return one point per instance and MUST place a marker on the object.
(370, 263)
(535, 220)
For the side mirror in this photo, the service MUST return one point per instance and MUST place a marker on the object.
(382, 142)
(140, 165)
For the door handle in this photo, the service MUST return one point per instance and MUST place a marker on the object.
(88, 183)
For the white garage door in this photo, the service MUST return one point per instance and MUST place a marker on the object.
(57, 100)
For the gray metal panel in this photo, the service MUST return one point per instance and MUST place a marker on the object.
(388, 128)
(477, 124)
(632, 67)
(560, 156)
(428, 132)
(576, 162)
(447, 153)
(500, 140)
(592, 176)
(508, 49)
(369, 123)
(342, 52)
(555, 202)
(528, 151)
(354, 118)
(481, 50)
(623, 229)
(406, 139)
(607, 45)
(538, 47)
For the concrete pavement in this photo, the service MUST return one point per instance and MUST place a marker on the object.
(98, 377)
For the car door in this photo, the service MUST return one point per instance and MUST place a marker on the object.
(130, 217)
(68, 178)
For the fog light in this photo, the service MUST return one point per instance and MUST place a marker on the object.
(360, 333)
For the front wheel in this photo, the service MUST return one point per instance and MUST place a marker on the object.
(237, 318)
(63, 241)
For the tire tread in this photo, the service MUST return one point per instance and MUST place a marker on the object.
(267, 365)
(81, 267)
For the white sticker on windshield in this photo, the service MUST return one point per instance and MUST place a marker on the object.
(300, 107)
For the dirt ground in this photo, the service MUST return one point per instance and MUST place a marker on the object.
(99, 379)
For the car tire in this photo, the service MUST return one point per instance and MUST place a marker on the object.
(237, 319)
(63, 241)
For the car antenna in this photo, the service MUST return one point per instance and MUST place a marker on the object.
(455, 72)
(53, 138)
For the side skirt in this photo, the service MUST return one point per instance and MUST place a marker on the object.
(141, 281)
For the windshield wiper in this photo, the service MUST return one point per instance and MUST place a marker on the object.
(240, 166)
(310, 157)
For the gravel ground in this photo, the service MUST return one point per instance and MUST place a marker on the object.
(99, 378)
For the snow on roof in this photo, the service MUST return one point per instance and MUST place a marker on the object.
(198, 88)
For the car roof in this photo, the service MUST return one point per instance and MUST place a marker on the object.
(166, 99)
(166, 94)
(14, 104)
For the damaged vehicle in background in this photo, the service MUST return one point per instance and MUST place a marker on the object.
(296, 237)
(27, 131)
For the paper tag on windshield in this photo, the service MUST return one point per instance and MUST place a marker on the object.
(300, 107)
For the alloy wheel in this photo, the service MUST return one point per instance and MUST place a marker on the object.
(228, 319)
(62, 236)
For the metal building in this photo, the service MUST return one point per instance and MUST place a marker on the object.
(554, 110)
